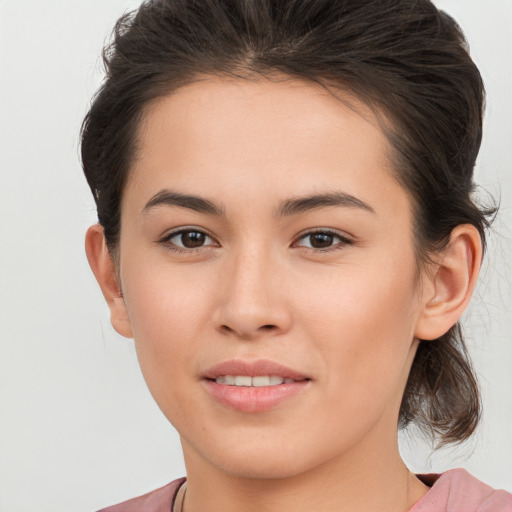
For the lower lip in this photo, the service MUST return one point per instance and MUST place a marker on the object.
(254, 399)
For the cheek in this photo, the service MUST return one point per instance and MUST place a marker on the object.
(363, 320)
(162, 297)
(167, 310)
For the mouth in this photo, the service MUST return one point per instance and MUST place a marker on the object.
(256, 382)
(237, 372)
(256, 386)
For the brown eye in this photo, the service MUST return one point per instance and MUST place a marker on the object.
(323, 240)
(187, 239)
(192, 239)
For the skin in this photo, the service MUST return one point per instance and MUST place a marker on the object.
(348, 315)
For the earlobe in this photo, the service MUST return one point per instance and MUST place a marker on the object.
(451, 284)
(103, 267)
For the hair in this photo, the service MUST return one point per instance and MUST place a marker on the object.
(404, 58)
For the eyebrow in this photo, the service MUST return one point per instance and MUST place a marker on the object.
(302, 204)
(199, 204)
(287, 208)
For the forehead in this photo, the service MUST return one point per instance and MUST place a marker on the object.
(259, 135)
(291, 107)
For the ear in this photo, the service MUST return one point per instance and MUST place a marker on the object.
(104, 269)
(448, 288)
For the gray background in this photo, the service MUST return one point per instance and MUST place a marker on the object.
(78, 428)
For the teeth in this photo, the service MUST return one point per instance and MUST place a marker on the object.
(264, 380)
(245, 380)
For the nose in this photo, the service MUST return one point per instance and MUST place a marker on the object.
(253, 301)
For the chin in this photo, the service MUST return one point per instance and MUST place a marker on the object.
(264, 459)
(262, 469)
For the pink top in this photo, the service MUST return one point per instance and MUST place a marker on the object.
(458, 491)
(453, 491)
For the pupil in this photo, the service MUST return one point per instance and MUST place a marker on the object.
(192, 239)
(321, 240)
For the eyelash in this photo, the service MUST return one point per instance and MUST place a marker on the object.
(343, 241)
(166, 240)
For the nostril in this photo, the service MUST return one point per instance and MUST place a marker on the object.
(249, 333)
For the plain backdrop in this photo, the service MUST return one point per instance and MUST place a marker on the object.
(78, 428)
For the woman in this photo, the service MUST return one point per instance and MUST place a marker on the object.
(287, 230)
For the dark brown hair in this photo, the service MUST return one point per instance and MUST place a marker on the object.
(404, 58)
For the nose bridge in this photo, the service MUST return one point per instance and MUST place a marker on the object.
(251, 280)
(252, 303)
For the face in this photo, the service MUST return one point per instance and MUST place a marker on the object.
(269, 276)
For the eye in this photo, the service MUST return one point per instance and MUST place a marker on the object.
(187, 240)
(322, 240)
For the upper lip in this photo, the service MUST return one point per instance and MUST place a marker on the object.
(256, 368)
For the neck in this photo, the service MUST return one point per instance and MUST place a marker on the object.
(379, 480)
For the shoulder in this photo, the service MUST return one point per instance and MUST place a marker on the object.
(458, 491)
(159, 500)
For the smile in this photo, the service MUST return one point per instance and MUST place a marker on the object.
(254, 386)
(246, 380)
